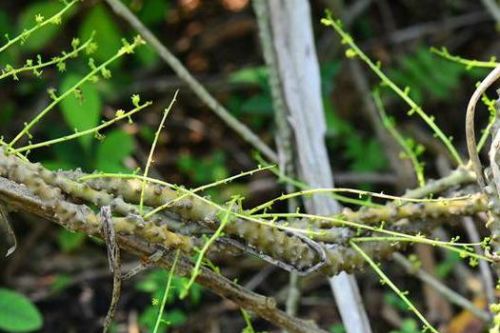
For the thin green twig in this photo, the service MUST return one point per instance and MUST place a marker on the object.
(468, 63)
(151, 151)
(354, 50)
(93, 130)
(55, 19)
(196, 269)
(165, 293)
(388, 281)
(36, 68)
(126, 49)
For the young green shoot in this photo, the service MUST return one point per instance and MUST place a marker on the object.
(166, 293)
(151, 151)
(490, 104)
(468, 63)
(203, 188)
(464, 250)
(354, 51)
(120, 114)
(30, 66)
(127, 48)
(360, 193)
(388, 281)
(40, 23)
(187, 193)
(248, 322)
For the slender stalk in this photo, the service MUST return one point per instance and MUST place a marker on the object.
(83, 133)
(152, 150)
(388, 281)
(36, 68)
(355, 50)
(165, 293)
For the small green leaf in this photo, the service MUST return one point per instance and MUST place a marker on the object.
(82, 109)
(111, 152)
(107, 35)
(69, 241)
(18, 313)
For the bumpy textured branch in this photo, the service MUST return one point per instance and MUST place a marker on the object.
(287, 249)
(67, 197)
(60, 198)
(19, 197)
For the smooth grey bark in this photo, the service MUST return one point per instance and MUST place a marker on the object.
(297, 66)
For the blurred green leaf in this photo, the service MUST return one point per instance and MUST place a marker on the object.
(116, 146)
(174, 317)
(10, 55)
(428, 75)
(337, 328)
(40, 38)
(365, 154)
(408, 326)
(328, 72)
(107, 34)
(5, 25)
(66, 155)
(58, 165)
(147, 56)
(335, 126)
(204, 170)
(61, 282)
(260, 104)
(147, 319)
(82, 109)
(6, 113)
(147, 134)
(154, 11)
(154, 284)
(18, 313)
(256, 75)
(69, 241)
(395, 301)
(445, 267)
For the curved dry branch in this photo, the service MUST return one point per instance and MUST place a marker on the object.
(469, 124)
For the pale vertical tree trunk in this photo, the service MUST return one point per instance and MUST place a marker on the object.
(296, 65)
